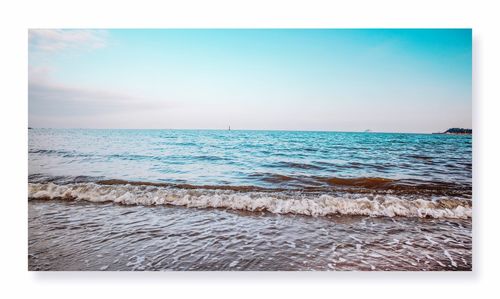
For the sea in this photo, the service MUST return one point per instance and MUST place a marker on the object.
(238, 200)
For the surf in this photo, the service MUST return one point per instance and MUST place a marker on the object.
(314, 204)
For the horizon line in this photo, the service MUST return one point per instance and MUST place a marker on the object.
(232, 129)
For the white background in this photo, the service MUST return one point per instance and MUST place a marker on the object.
(482, 16)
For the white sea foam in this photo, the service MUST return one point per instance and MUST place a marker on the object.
(274, 202)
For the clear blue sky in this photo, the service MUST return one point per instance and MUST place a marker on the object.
(338, 80)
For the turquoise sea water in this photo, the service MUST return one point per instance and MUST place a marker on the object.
(267, 159)
(248, 200)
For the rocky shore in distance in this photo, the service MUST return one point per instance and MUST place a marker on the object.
(457, 131)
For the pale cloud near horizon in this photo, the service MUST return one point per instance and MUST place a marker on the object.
(47, 90)
(58, 39)
(49, 98)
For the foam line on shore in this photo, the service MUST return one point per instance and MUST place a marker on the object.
(274, 202)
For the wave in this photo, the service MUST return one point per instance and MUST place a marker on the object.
(361, 182)
(294, 165)
(301, 203)
(272, 182)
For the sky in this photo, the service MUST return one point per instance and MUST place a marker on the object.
(267, 79)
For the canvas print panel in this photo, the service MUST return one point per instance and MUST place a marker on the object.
(239, 149)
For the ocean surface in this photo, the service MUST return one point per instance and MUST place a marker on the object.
(248, 200)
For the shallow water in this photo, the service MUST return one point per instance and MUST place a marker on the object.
(88, 236)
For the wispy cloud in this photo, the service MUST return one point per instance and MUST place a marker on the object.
(59, 39)
(45, 90)
(48, 98)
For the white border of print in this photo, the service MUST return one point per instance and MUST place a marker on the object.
(17, 18)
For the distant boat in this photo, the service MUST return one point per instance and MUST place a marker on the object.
(229, 128)
(368, 131)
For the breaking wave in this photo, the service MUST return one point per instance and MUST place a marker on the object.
(292, 202)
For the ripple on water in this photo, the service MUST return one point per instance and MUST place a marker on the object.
(177, 238)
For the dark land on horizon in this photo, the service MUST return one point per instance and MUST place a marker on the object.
(457, 131)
